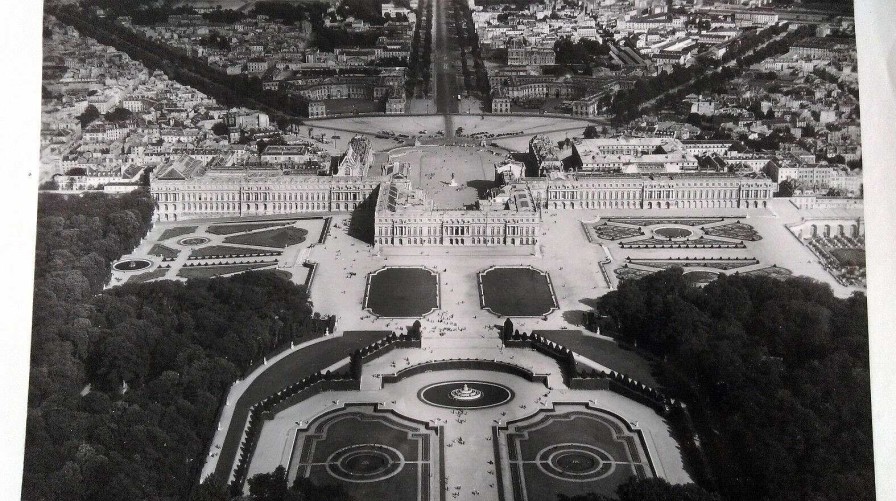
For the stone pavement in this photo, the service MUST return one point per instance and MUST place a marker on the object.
(470, 461)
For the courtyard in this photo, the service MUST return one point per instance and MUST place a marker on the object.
(432, 169)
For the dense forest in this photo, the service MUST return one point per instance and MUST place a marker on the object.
(775, 374)
(126, 383)
(649, 489)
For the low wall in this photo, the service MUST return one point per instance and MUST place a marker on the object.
(465, 364)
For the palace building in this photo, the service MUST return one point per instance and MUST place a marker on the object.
(642, 191)
(405, 217)
(191, 188)
(185, 190)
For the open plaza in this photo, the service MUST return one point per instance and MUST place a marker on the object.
(464, 414)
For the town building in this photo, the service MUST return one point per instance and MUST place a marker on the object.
(519, 53)
(632, 155)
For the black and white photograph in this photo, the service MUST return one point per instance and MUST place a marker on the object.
(438, 250)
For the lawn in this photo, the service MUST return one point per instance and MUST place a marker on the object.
(280, 237)
(177, 231)
(849, 257)
(163, 251)
(290, 369)
(604, 352)
(230, 229)
(402, 292)
(673, 232)
(149, 275)
(227, 251)
(573, 452)
(285, 275)
(215, 271)
(700, 277)
(516, 292)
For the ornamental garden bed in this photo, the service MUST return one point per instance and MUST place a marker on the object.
(516, 292)
(177, 231)
(165, 252)
(402, 292)
(227, 251)
(216, 271)
(230, 229)
(279, 237)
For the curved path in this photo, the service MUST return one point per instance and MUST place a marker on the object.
(472, 457)
(289, 367)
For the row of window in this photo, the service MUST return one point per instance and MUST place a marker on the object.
(234, 207)
(452, 231)
(458, 241)
(300, 196)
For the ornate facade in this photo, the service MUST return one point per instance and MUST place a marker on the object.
(404, 217)
(668, 191)
(517, 84)
(243, 193)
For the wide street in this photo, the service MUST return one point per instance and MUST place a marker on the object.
(445, 67)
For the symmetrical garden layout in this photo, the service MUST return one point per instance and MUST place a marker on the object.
(705, 247)
(372, 454)
(571, 450)
(208, 250)
(502, 425)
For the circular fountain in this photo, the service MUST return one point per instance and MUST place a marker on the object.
(466, 393)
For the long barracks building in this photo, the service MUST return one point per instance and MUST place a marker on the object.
(659, 191)
(200, 194)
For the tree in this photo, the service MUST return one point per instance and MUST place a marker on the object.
(177, 355)
(415, 329)
(786, 188)
(119, 115)
(507, 331)
(752, 357)
(649, 489)
(591, 132)
(220, 129)
(309, 491)
(269, 486)
(90, 114)
(211, 489)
